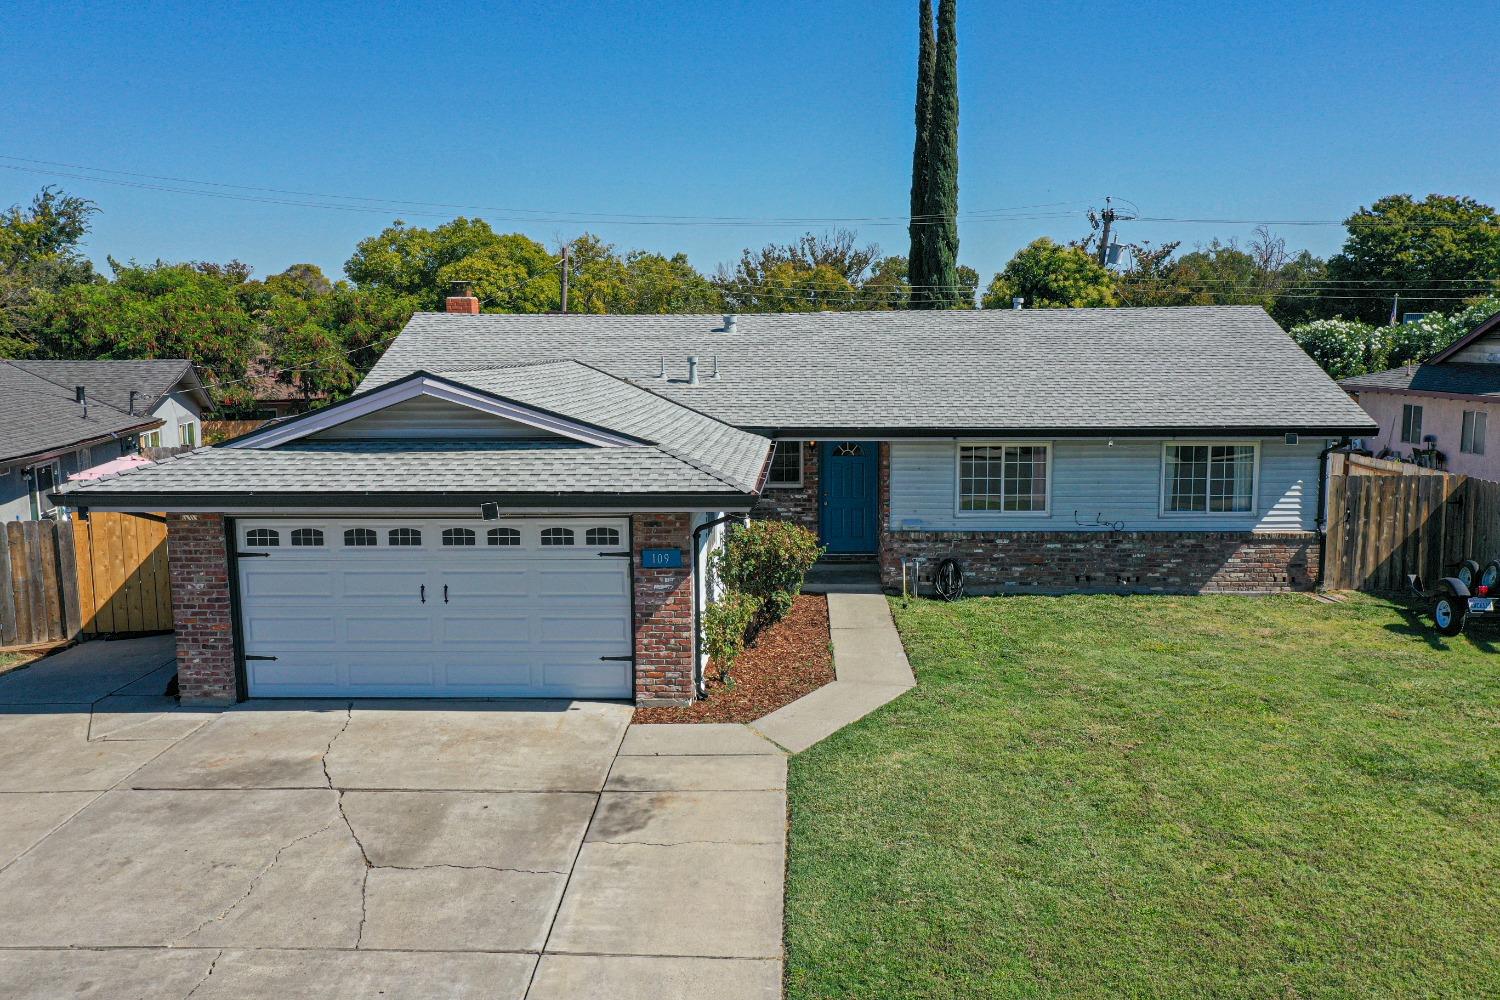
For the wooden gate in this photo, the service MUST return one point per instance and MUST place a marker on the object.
(106, 575)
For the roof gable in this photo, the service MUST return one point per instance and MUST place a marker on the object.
(39, 417)
(386, 412)
(113, 382)
(1480, 345)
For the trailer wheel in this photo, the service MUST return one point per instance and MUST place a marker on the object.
(1467, 571)
(1490, 576)
(1449, 612)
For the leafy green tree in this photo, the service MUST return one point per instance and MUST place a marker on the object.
(328, 341)
(1431, 252)
(887, 286)
(814, 273)
(920, 257)
(39, 256)
(511, 274)
(934, 282)
(157, 311)
(410, 260)
(669, 285)
(1049, 276)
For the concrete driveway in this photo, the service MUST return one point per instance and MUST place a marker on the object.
(395, 849)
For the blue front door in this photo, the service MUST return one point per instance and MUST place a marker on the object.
(850, 504)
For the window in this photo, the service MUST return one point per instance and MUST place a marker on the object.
(1003, 477)
(557, 536)
(458, 536)
(1472, 438)
(1411, 424)
(151, 439)
(359, 537)
(602, 536)
(849, 450)
(1210, 478)
(262, 538)
(404, 536)
(187, 433)
(504, 536)
(786, 464)
(307, 536)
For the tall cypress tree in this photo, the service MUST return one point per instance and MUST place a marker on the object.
(918, 262)
(942, 207)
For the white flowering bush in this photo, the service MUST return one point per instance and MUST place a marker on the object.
(1343, 347)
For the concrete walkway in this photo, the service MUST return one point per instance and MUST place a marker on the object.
(871, 669)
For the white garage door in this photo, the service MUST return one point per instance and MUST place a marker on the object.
(458, 609)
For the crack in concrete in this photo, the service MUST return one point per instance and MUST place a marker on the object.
(255, 882)
(211, 966)
(364, 882)
(348, 718)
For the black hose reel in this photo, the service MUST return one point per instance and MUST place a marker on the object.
(948, 580)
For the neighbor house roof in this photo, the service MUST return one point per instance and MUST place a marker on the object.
(657, 448)
(40, 417)
(113, 381)
(1186, 369)
(1450, 379)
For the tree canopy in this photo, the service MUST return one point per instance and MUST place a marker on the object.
(39, 256)
(933, 261)
(1050, 276)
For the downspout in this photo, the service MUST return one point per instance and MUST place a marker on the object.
(700, 683)
(1322, 519)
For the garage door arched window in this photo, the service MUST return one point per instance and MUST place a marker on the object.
(602, 536)
(557, 536)
(263, 538)
(307, 536)
(504, 536)
(404, 536)
(458, 536)
(360, 537)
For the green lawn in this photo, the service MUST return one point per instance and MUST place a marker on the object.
(1157, 797)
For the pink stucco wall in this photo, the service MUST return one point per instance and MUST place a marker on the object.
(1442, 417)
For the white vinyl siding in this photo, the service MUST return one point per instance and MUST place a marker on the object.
(1121, 483)
(425, 417)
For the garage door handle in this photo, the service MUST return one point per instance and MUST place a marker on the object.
(445, 593)
(423, 592)
(249, 657)
(619, 659)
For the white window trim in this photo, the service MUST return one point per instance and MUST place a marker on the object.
(1254, 512)
(1473, 418)
(958, 466)
(801, 460)
(37, 504)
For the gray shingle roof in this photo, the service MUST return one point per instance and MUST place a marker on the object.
(1185, 369)
(1450, 376)
(112, 381)
(38, 416)
(682, 453)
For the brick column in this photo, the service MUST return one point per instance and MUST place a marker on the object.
(198, 558)
(663, 611)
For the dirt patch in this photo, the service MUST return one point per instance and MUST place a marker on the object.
(790, 659)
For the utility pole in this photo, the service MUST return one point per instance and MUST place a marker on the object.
(1108, 217)
(567, 249)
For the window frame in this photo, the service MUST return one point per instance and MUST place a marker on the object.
(588, 536)
(411, 538)
(513, 540)
(1253, 512)
(1407, 411)
(307, 531)
(187, 433)
(355, 531)
(786, 484)
(447, 538)
(958, 476)
(40, 507)
(1471, 421)
(271, 539)
(555, 541)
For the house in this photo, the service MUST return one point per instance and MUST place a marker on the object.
(278, 392)
(60, 418)
(522, 505)
(1438, 413)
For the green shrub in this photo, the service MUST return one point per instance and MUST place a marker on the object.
(726, 623)
(767, 560)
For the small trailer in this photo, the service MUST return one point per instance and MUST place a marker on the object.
(1469, 593)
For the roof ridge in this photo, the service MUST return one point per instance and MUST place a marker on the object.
(652, 392)
(20, 365)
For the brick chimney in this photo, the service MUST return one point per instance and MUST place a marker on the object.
(461, 298)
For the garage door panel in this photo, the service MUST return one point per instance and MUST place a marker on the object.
(518, 621)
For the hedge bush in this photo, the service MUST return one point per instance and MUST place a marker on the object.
(767, 560)
(726, 623)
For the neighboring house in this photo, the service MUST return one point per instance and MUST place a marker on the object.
(278, 392)
(60, 418)
(1440, 408)
(522, 505)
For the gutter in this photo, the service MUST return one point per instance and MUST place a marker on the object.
(1322, 519)
(89, 442)
(700, 683)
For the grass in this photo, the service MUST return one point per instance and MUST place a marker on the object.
(1157, 797)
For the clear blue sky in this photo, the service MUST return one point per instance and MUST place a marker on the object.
(748, 110)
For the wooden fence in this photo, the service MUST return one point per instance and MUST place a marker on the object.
(1387, 520)
(215, 431)
(66, 579)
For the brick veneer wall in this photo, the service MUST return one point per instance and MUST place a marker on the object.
(1154, 561)
(198, 563)
(663, 611)
(797, 503)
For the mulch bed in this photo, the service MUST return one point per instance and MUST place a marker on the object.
(789, 659)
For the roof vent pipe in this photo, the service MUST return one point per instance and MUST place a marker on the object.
(130, 407)
(662, 360)
(81, 397)
(730, 321)
(1017, 302)
(692, 370)
(716, 367)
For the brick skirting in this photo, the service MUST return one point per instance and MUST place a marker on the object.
(198, 563)
(1149, 561)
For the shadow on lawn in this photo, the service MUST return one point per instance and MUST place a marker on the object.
(1417, 624)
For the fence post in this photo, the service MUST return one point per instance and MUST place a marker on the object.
(8, 623)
